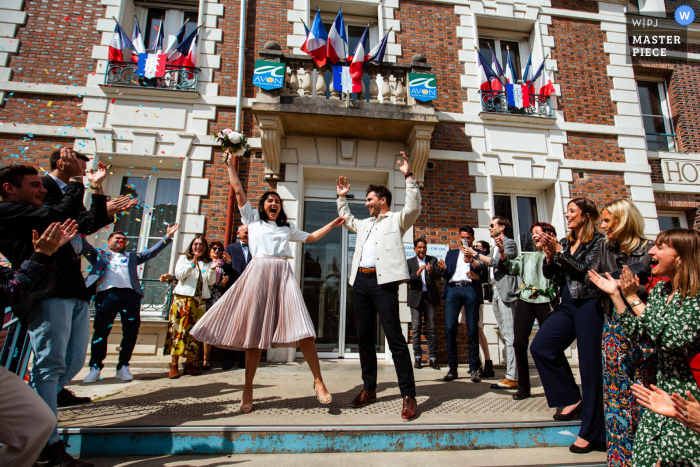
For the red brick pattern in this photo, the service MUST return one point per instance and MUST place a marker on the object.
(582, 74)
(598, 186)
(593, 147)
(450, 137)
(30, 151)
(577, 5)
(656, 173)
(40, 109)
(437, 39)
(56, 42)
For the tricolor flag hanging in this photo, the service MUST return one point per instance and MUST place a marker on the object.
(541, 82)
(527, 76)
(179, 37)
(157, 45)
(359, 59)
(315, 43)
(510, 72)
(488, 81)
(186, 53)
(337, 39)
(137, 41)
(343, 82)
(496, 67)
(518, 96)
(120, 42)
(151, 65)
(376, 55)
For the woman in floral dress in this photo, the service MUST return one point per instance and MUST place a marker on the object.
(671, 319)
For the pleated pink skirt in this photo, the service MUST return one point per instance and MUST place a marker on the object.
(264, 308)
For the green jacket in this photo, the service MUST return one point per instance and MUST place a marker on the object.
(529, 267)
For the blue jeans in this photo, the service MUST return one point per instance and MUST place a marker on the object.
(59, 330)
(458, 297)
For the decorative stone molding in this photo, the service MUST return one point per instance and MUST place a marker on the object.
(272, 133)
(104, 139)
(419, 149)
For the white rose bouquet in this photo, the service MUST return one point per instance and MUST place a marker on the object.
(234, 142)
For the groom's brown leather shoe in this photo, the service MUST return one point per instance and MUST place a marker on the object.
(410, 411)
(366, 397)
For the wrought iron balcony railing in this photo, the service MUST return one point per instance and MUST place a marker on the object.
(179, 78)
(157, 297)
(497, 102)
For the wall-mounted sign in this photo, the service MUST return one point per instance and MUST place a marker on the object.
(434, 249)
(422, 87)
(268, 75)
(685, 172)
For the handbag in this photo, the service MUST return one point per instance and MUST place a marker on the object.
(694, 363)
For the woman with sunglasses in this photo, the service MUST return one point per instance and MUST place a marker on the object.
(216, 290)
(265, 308)
(671, 319)
(578, 317)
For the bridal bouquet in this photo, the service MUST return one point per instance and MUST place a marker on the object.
(233, 141)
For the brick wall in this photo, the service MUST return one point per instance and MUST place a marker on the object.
(437, 39)
(598, 186)
(451, 137)
(577, 5)
(687, 203)
(30, 151)
(593, 147)
(56, 42)
(656, 173)
(582, 74)
(40, 109)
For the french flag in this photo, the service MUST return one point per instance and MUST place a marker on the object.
(487, 77)
(496, 67)
(186, 53)
(179, 37)
(359, 60)
(527, 76)
(510, 72)
(120, 42)
(541, 83)
(376, 55)
(315, 43)
(137, 41)
(337, 39)
(518, 96)
(158, 42)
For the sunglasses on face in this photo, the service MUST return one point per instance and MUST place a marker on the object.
(216, 248)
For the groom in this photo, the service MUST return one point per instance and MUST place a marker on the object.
(378, 267)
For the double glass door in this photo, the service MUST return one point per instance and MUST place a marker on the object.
(325, 275)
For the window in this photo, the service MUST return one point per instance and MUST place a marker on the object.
(145, 225)
(150, 17)
(655, 116)
(153, 25)
(522, 211)
(502, 47)
(672, 220)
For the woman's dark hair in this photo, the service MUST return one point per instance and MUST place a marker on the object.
(189, 253)
(590, 212)
(546, 228)
(485, 246)
(281, 220)
(216, 243)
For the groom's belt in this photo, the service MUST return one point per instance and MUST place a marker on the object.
(367, 270)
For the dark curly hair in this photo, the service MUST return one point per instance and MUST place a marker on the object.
(281, 220)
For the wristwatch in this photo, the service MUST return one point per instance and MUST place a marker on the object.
(635, 303)
(409, 174)
(95, 187)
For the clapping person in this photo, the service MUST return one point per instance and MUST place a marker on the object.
(195, 276)
(624, 363)
(686, 411)
(579, 317)
(671, 319)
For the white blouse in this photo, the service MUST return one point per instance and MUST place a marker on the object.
(266, 238)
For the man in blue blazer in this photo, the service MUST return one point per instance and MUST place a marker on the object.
(237, 257)
(461, 284)
(118, 290)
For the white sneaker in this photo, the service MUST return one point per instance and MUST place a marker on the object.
(93, 376)
(124, 374)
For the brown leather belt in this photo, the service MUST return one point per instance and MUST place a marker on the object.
(367, 270)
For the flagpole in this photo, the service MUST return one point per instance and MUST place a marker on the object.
(484, 58)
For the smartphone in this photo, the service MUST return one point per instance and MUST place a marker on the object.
(464, 242)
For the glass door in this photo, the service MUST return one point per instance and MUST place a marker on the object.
(325, 275)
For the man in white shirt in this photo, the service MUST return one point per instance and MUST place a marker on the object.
(378, 267)
(118, 291)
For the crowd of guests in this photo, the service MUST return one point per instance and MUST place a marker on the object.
(631, 304)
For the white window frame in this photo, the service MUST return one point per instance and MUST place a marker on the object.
(683, 220)
(665, 109)
(523, 40)
(540, 203)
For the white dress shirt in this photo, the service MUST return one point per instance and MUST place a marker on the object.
(421, 262)
(117, 273)
(368, 259)
(463, 268)
(495, 253)
(266, 237)
(60, 184)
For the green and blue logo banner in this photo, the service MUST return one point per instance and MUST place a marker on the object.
(422, 87)
(268, 75)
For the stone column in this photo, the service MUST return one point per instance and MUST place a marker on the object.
(419, 149)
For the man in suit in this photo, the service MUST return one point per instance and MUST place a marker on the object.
(423, 297)
(505, 294)
(101, 214)
(237, 257)
(378, 267)
(461, 290)
(118, 290)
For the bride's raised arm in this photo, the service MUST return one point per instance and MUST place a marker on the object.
(235, 182)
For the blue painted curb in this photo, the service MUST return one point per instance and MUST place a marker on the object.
(160, 441)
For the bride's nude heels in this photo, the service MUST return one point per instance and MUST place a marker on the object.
(323, 400)
(245, 408)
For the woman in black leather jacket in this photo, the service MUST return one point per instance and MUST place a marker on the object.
(624, 363)
(579, 317)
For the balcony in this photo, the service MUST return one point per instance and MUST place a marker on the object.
(494, 106)
(123, 76)
(309, 105)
